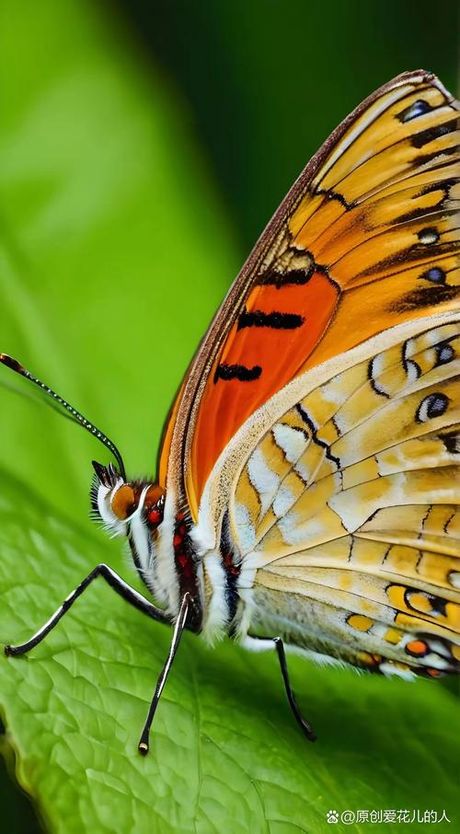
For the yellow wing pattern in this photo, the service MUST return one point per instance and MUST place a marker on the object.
(380, 217)
(347, 509)
(368, 237)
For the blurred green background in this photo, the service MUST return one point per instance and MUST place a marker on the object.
(115, 253)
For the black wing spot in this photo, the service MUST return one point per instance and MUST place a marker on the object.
(418, 108)
(435, 405)
(426, 158)
(239, 372)
(451, 442)
(275, 320)
(443, 185)
(425, 297)
(444, 354)
(436, 275)
(438, 604)
(428, 236)
(281, 279)
(426, 136)
(330, 194)
(411, 253)
(441, 188)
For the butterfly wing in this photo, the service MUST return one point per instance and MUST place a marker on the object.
(367, 238)
(343, 496)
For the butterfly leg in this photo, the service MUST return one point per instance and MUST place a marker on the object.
(306, 728)
(179, 626)
(116, 582)
(261, 643)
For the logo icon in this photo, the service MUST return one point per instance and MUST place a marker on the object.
(332, 816)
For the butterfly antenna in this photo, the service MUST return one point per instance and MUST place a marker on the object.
(75, 415)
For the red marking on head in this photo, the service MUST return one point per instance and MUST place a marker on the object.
(154, 517)
(154, 505)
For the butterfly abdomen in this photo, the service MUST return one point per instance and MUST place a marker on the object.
(186, 570)
(221, 573)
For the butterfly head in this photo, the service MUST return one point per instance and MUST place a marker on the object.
(119, 504)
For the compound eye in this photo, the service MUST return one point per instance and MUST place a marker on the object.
(124, 502)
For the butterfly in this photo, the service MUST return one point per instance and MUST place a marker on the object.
(308, 486)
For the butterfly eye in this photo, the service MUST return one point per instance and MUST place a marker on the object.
(124, 502)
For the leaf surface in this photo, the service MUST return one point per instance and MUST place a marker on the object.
(114, 252)
(226, 754)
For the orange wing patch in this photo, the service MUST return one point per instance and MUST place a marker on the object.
(367, 238)
(275, 332)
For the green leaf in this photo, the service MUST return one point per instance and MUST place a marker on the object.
(226, 754)
(114, 252)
